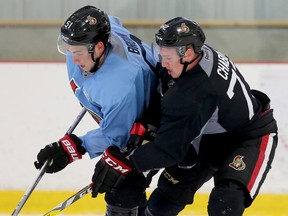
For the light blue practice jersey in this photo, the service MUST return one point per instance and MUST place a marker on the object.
(118, 92)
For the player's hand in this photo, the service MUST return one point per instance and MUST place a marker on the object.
(110, 171)
(136, 138)
(60, 154)
(138, 133)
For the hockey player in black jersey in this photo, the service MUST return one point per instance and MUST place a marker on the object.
(212, 126)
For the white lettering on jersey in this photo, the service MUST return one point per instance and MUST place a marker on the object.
(223, 70)
(131, 45)
(223, 66)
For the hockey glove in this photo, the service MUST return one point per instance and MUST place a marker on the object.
(61, 153)
(137, 133)
(110, 171)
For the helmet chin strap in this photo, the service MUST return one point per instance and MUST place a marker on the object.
(97, 60)
(185, 64)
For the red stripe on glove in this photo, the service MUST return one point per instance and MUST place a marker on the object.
(138, 129)
(70, 147)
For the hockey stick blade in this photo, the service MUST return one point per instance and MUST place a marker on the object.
(70, 200)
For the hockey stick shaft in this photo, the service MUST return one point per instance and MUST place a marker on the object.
(29, 190)
(42, 171)
(70, 200)
(76, 121)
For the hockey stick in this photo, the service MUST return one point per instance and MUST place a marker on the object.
(63, 205)
(84, 191)
(70, 200)
(42, 171)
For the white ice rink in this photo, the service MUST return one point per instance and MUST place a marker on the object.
(38, 106)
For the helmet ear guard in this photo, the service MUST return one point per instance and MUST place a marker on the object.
(181, 51)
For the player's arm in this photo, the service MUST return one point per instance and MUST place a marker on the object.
(115, 166)
(113, 130)
(111, 170)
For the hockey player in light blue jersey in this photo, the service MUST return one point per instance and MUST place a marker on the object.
(111, 73)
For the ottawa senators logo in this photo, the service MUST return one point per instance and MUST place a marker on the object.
(184, 28)
(91, 20)
(238, 163)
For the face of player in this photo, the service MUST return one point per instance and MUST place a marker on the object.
(171, 61)
(83, 58)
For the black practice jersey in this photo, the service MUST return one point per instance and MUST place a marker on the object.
(212, 98)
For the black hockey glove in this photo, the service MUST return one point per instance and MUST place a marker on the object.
(138, 133)
(61, 153)
(110, 171)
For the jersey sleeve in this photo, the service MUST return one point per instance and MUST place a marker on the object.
(170, 145)
(183, 120)
(114, 128)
